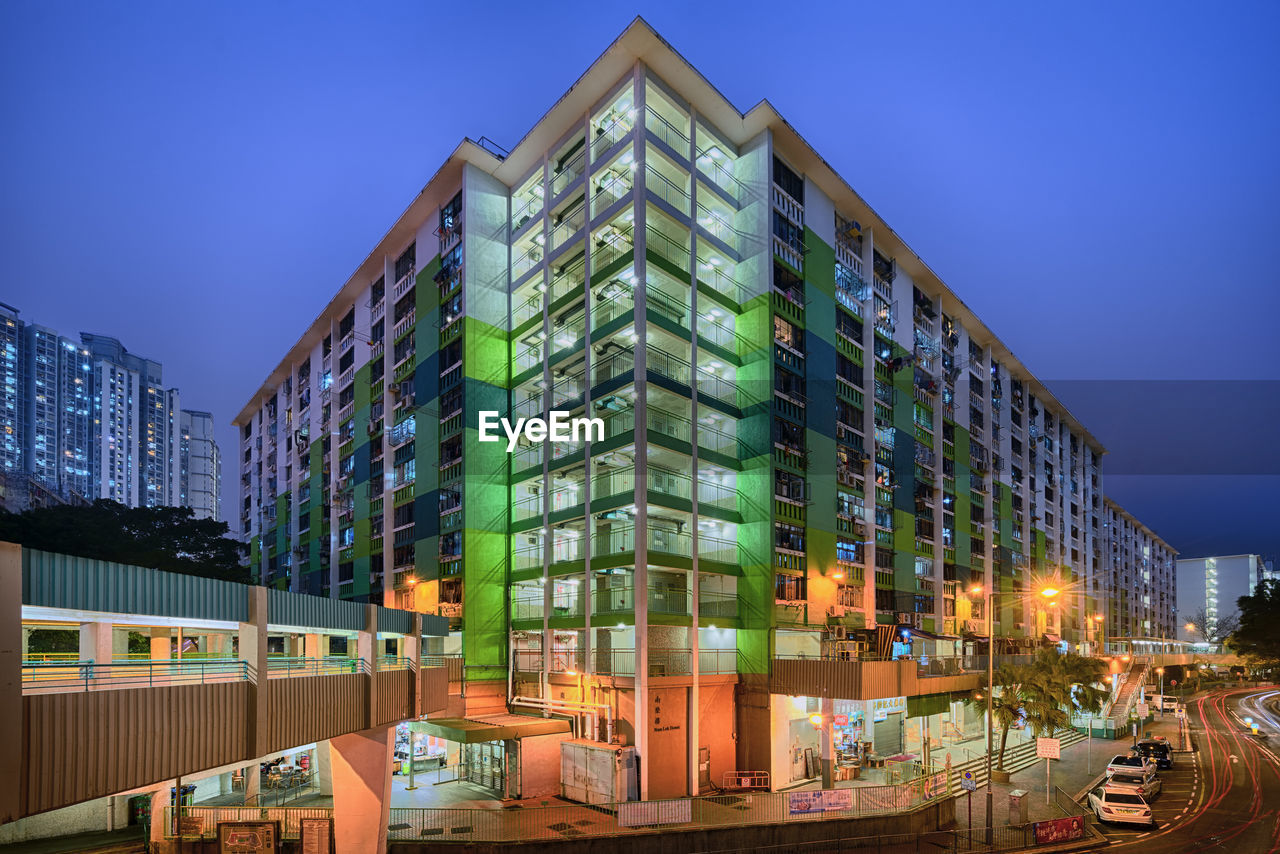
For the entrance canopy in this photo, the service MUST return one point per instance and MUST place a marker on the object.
(490, 728)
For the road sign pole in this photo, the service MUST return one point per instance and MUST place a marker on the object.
(1048, 787)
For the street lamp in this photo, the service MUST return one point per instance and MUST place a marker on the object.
(1048, 593)
(1160, 671)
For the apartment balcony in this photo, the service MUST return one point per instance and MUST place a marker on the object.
(403, 285)
(404, 324)
(449, 234)
(787, 252)
(787, 206)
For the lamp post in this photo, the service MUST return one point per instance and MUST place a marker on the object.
(990, 594)
(1160, 672)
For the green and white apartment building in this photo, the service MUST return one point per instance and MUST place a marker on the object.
(808, 446)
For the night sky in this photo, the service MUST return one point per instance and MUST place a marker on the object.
(1100, 182)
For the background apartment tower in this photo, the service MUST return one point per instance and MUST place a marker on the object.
(200, 466)
(810, 442)
(85, 420)
(46, 405)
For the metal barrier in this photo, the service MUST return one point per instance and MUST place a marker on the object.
(728, 809)
(89, 676)
(202, 822)
(287, 668)
(745, 780)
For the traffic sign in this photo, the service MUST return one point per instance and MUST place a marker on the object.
(1048, 748)
(1143, 710)
(969, 784)
(1182, 713)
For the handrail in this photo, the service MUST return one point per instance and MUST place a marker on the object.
(88, 675)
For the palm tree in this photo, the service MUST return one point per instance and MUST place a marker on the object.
(1006, 701)
(1061, 684)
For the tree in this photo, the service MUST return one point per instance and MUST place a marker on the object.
(165, 538)
(1045, 691)
(1212, 630)
(1258, 635)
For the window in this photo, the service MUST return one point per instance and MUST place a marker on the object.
(789, 588)
(848, 326)
(378, 291)
(788, 485)
(347, 324)
(788, 434)
(787, 333)
(790, 537)
(451, 213)
(848, 371)
(788, 232)
(788, 383)
(787, 180)
(407, 261)
(848, 550)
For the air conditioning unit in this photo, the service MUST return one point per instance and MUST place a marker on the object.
(837, 632)
(836, 611)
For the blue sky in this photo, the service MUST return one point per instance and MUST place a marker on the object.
(1097, 181)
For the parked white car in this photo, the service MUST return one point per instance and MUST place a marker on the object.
(1140, 764)
(1120, 807)
(1135, 782)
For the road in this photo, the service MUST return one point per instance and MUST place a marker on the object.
(1226, 796)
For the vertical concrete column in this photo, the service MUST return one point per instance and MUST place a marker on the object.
(311, 646)
(96, 643)
(640, 580)
(252, 782)
(161, 799)
(413, 652)
(367, 653)
(361, 769)
(827, 707)
(161, 644)
(324, 766)
(253, 651)
(161, 652)
(12, 649)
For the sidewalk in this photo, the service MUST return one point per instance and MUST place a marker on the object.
(1080, 766)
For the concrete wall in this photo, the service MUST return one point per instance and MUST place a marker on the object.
(935, 816)
(87, 817)
(540, 765)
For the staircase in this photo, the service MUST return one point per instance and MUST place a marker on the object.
(1128, 693)
(1016, 758)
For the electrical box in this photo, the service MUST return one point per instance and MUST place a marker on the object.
(593, 772)
(1018, 806)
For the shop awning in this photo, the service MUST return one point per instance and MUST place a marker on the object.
(1051, 638)
(492, 728)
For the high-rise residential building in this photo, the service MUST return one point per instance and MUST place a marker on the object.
(1215, 583)
(200, 466)
(1139, 576)
(87, 419)
(800, 437)
(46, 407)
(137, 458)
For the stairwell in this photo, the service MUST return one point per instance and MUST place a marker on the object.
(1016, 758)
(1128, 694)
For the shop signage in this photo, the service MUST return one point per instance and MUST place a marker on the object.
(825, 800)
(840, 720)
(880, 709)
(1059, 830)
